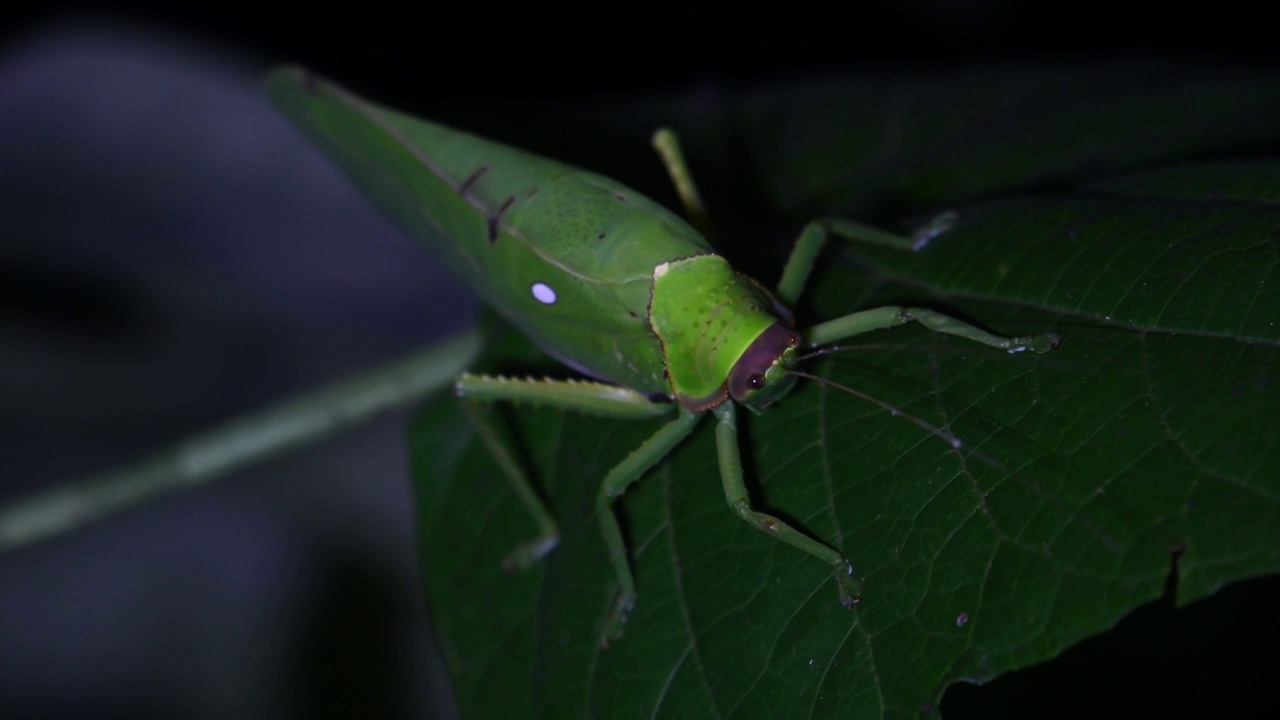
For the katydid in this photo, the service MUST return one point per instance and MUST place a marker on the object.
(614, 286)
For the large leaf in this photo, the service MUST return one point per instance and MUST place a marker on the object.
(1145, 440)
(1141, 442)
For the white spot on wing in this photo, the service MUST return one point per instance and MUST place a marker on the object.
(660, 270)
(543, 293)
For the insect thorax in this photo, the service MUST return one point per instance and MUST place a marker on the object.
(706, 316)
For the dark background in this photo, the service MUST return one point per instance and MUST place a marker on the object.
(173, 255)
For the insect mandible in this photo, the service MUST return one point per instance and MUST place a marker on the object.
(611, 284)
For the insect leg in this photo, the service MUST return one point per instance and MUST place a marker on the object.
(893, 316)
(668, 147)
(814, 236)
(658, 446)
(548, 531)
(585, 396)
(582, 396)
(735, 493)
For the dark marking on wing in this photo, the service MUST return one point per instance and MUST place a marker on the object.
(659, 397)
(472, 179)
(600, 236)
(632, 313)
(620, 196)
(497, 217)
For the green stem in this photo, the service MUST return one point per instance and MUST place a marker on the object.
(242, 442)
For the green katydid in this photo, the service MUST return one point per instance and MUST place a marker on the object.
(614, 286)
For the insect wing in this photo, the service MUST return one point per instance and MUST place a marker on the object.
(566, 255)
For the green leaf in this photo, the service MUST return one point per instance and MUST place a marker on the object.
(1085, 474)
(1148, 435)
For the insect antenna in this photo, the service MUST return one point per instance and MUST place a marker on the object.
(817, 353)
(955, 442)
(965, 449)
(834, 349)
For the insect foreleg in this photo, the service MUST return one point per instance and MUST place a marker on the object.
(893, 316)
(814, 236)
(735, 493)
(658, 446)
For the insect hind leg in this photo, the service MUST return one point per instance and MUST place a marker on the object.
(548, 532)
(668, 147)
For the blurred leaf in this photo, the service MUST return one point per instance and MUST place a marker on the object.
(866, 145)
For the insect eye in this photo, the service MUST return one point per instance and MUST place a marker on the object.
(756, 381)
